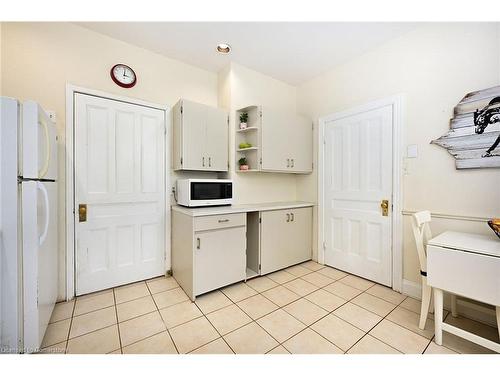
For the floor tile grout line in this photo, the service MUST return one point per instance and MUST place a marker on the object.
(161, 317)
(383, 318)
(70, 326)
(117, 323)
(145, 338)
(368, 332)
(331, 312)
(216, 330)
(302, 330)
(120, 303)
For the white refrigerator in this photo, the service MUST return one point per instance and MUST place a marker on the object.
(28, 225)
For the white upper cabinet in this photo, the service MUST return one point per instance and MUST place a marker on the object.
(281, 141)
(200, 137)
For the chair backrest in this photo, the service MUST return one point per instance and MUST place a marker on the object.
(422, 234)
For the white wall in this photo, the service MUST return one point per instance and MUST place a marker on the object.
(240, 87)
(433, 66)
(39, 59)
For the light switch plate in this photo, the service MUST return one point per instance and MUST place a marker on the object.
(52, 116)
(412, 151)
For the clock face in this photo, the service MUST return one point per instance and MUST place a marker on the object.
(123, 75)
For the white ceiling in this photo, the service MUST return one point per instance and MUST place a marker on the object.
(291, 52)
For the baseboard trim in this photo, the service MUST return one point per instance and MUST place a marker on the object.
(467, 308)
(412, 289)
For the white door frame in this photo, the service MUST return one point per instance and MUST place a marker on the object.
(71, 90)
(396, 102)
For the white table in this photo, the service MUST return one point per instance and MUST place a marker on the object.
(467, 265)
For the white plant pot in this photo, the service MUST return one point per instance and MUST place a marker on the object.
(243, 125)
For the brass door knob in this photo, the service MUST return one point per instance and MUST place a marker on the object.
(82, 212)
(384, 205)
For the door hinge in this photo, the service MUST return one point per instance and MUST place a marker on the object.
(260, 220)
(227, 120)
(260, 113)
(260, 161)
(181, 161)
(324, 245)
(260, 268)
(182, 110)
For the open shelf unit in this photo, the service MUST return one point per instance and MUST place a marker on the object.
(250, 135)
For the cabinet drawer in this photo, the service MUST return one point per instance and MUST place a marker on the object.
(219, 221)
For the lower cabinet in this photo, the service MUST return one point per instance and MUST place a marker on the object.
(219, 258)
(286, 238)
(213, 251)
(208, 252)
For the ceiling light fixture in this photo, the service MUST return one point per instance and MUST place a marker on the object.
(223, 48)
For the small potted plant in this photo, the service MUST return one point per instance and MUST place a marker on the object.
(243, 120)
(243, 164)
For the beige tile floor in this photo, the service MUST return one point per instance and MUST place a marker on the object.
(306, 308)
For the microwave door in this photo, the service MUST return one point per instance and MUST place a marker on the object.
(202, 191)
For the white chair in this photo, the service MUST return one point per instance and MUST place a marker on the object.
(422, 233)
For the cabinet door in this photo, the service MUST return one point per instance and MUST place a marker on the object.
(301, 145)
(275, 141)
(220, 258)
(286, 238)
(194, 134)
(216, 140)
(301, 235)
(276, 239)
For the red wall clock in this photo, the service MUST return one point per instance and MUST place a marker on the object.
(123, 75)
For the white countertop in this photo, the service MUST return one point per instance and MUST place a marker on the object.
(221, 210)
(473, 243)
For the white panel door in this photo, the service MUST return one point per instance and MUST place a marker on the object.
(357, 177)
(120, 176)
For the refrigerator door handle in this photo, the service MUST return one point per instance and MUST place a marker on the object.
(42, 188)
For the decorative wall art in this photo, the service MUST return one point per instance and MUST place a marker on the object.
(474, 135)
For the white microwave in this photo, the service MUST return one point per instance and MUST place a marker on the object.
(204, 192)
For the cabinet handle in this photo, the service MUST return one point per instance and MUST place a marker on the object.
(287, 218)
(223, 220)
(293, 217)
(203, 161)
(292, 162)
(209, 161)
(198, 243)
